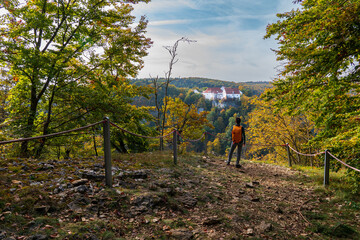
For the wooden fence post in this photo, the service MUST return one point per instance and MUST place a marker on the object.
(107, 152)
(288, 153)
(175, 146)
(326, 169)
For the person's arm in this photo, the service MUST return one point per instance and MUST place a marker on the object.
(243, 135)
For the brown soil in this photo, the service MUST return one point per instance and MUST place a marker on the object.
(201, 198)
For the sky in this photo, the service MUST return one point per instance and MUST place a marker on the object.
(229, 38)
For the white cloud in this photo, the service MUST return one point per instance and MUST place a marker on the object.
(226, 50)
(159, 6)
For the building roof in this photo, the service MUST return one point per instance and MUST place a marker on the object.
(232, 91)
(213, 90)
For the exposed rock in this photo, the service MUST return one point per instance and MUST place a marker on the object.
(187, 200)
(251, 198)
(78, 203)
(38, 237)
(125, 184)
(137, 174)
(255, 183)
(169, 191)
(162, 184)
(36, 184)
(152, 186)
(249, 185)
(212, 221)
(98, 165)
(82, 189)
(250, 231)
(2, 234)
(264, 227)
(137, 210)
(91, 175)
(42, 209)
(148, 201)
(79, 182)
(166, 170)
(59, 189)
(45, 167)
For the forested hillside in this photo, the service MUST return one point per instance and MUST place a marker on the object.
(220, 119)
(250, 88)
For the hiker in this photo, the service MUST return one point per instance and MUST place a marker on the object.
(238, 140)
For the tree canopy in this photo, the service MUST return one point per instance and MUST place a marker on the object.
(69, 60)
(320, 50)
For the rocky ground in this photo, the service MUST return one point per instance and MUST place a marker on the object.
(200, 198)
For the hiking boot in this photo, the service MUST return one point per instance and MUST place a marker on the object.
(238, 166)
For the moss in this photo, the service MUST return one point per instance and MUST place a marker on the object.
(41, 221)
(15, 169)
(316, 216)
(12, 218)
(108, 235)
(177, 223)
(342, 231)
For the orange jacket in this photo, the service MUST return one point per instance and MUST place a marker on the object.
(237, 134)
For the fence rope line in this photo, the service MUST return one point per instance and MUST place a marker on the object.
(306, 154)
(51, 135)
(157, 137)
(191, 140)
(345, 164)
(139, 135)
(266, 145)
(249, 144)
(228, 139)
(316, 154)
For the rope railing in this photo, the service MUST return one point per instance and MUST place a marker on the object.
(106, 134)
(50, 135)
(306, 154)
(139, 135)
(266, 145)
(191, 140)
(326, 162)
(106, 128)
(343, 163)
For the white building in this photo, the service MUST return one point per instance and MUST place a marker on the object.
(222, 93)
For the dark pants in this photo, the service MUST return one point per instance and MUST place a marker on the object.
(238, 154)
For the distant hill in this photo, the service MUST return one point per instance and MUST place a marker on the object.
(249, 88)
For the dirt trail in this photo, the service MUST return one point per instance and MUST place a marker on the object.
(259, 200)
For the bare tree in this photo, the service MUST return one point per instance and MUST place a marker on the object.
(161, 116)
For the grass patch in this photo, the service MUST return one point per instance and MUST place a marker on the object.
(316, 216)
(339, 230)
(12, 218)
(150, 160)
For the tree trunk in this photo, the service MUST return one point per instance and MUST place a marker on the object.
(46, 125)
(95, 148)
(30, 124)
